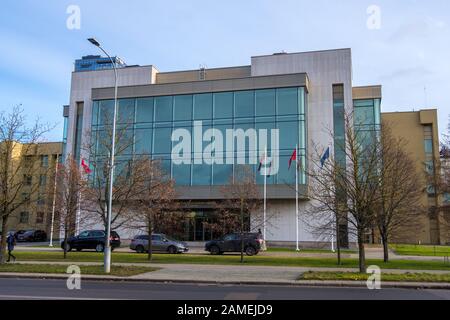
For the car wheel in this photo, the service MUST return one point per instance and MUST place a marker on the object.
(250, 251)
(172, 250)
(79, 249)
(140, 249)
(214, 250)
(100, 247)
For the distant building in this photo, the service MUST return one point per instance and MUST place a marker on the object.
(420, 130)
(37, 188)
(92, 63)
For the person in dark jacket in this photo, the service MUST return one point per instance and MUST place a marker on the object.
(11, 240)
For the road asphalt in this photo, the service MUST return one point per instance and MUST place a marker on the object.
(47, 289)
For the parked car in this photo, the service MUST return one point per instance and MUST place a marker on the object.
(253, 242)
(160, 243)
(92, 239)
(16, 234)
(31, 236)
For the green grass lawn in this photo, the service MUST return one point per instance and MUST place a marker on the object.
(120, 271)
(354, 276)
(230, 260)
(308, 250)
(421, 250)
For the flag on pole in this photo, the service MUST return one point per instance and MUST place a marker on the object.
(85, 166)
(263, 162)
(293, 158)
(325, 157)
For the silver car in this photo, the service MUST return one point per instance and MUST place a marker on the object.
(160, 243)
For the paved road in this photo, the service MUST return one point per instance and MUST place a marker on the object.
(30, 289)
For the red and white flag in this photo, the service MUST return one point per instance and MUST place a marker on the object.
(293, 158)
(85, 166)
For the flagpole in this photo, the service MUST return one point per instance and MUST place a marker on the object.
(296, 197)
(265, 194)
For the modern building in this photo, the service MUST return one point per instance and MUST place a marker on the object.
(37, 169)
(420, 130)
(278, 102)
(92, 63)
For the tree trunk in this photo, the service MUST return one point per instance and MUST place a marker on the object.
(362, 254)
(385, 249)
(242, 231)
(66, 231)
(338, 242)
(3, 242)
(150, 246)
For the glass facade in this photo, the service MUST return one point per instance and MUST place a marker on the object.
(429, 158)
(339, 124)
(151, 121)
(92, 63)
(367, 119)
(78, 130)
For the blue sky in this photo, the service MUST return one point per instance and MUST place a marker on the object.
(408, 53)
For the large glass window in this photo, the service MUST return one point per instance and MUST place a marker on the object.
(287, 101)
(144, 110)
(162, 140)
(143, 141)
(163, 108)
(244, 105)
(105, 112)
(265, 102)
(255, 112)
(126, 111)
(183, 107)
(203, 106)
(223, 105)
(428, 146)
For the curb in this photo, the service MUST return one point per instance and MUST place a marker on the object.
(293, 283)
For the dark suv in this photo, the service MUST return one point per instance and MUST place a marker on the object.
(232, 243)
(92, 239)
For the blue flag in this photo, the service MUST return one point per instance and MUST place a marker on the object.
(325, 157)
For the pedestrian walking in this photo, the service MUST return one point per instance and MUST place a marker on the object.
(11, 240)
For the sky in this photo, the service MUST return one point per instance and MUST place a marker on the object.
(404, 45)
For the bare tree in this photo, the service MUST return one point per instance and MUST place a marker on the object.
(19, 160)
(398, 204)
(242, 198)
(127, 175)
(347, 192)
(155, 208)
(71, 184)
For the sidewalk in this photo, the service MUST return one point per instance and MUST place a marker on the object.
(227, 275)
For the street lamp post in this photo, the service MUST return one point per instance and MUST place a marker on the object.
(107, 253)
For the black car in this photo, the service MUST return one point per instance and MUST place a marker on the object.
(232, 243)
(31, 236)
(92, 239)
